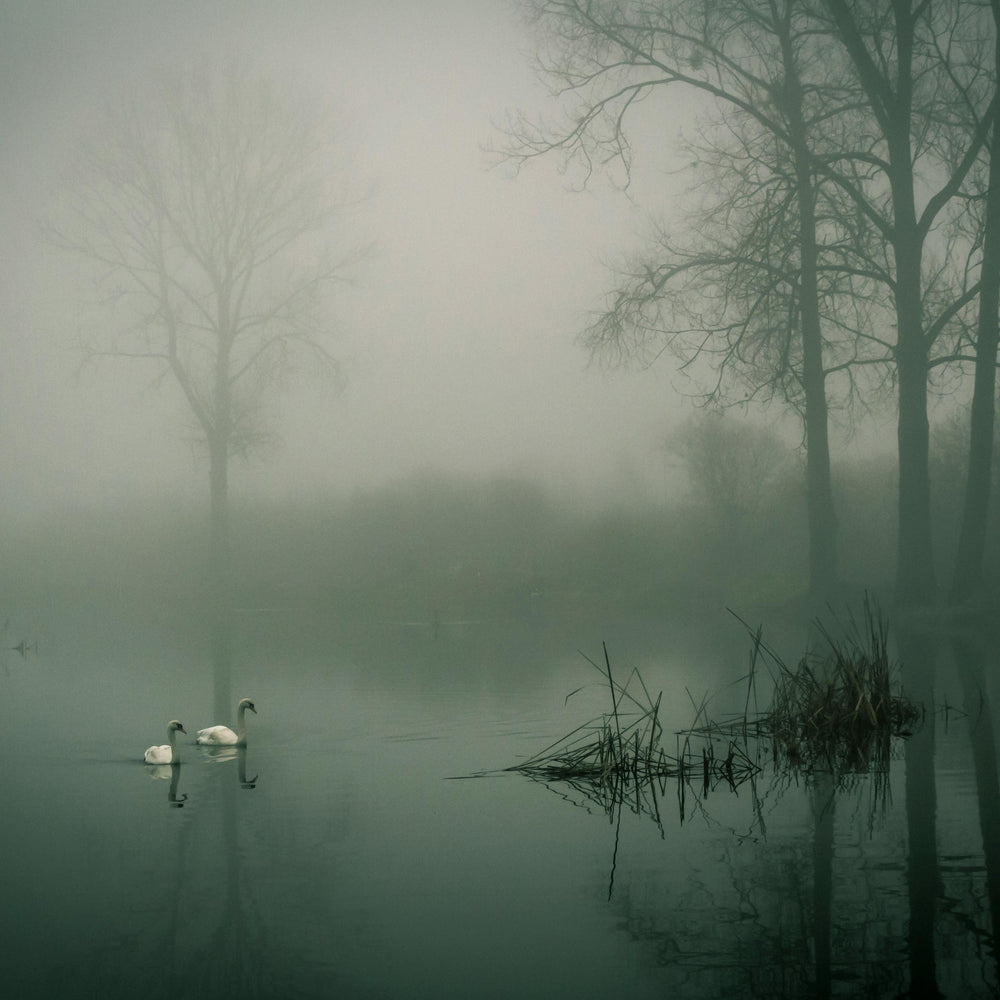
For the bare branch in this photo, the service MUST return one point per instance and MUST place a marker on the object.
(208, 207)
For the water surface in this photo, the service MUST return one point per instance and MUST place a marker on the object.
(358, 849)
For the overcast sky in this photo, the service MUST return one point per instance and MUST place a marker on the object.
(459, 332)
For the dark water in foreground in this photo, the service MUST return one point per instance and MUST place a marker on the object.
(347, 853)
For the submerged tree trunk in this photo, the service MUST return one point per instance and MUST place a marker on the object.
(967, 578)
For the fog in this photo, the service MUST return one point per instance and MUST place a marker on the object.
(457, 333)
(421, 563)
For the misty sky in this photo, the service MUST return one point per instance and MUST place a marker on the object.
(459, 332)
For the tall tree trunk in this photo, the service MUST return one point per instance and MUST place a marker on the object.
(220, 578)
(822, 519)
(819, 489)
(219, 441)
(915, 583)
(967, 577)
(891, 103)
(821, 516)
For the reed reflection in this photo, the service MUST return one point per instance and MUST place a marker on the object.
(836, 722)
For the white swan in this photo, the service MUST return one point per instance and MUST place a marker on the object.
(167, 753)
(223, 735)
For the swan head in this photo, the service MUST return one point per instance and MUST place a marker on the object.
(175, 726)
(245, 704)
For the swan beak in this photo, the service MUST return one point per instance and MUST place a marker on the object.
(181, 729)
(252, 709)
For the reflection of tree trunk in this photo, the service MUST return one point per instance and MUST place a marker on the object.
(971, 661)
(172, 956)
(227, 964)
(220, 579)
(917, 654)
(233, 917)
(823, 803)
(239, 936)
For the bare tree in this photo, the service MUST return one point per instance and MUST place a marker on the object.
(208, 206)
(921, 71)
(854, 129)
(734, 470)
(747, 58)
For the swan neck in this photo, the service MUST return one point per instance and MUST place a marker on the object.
(241, 722)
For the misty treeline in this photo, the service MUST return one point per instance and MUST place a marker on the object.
(841, 242)
(840, 250)
(437, 546)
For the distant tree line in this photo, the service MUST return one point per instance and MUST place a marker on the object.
(447, 545)
(845, 242)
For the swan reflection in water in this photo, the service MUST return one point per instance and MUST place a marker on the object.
(221, 754)
(173, 773)
(241, 760)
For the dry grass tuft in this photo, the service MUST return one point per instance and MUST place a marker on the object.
(839, 709)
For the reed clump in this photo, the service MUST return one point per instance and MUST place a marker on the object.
(624, 741)
(839, 708)
(621, 753)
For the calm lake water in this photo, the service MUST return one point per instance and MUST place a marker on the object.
(357, 849)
